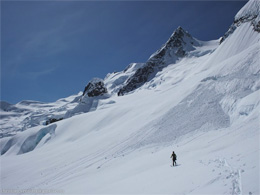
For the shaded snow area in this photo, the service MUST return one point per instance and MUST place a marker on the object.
(205, 107)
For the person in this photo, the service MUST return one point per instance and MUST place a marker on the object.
(174, 158)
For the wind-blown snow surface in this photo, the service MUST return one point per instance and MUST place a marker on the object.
(205, 108)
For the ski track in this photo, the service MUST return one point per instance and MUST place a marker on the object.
(229, 174)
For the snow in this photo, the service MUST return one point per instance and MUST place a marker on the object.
(187, 44)
(27, 114)
(239, 41)
(250, 10)
(223, 162)
(205, 107)
(115, 81)
(249, 14)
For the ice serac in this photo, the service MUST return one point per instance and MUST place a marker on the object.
(249, 13)
(27, 114)
(177, 46)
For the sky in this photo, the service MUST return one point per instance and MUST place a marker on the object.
(51, 49)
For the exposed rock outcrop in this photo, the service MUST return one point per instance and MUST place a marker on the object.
(178, 45)
(95, 88)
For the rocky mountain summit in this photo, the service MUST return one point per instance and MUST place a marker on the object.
(177, 46)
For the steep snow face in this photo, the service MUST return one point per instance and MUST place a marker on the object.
(249, 13)
(179, 45)
(235, 44)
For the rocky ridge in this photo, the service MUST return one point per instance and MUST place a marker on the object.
(177, 47)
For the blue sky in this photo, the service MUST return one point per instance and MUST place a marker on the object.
(51, 49)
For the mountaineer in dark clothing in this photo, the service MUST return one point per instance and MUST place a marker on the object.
(174, 158)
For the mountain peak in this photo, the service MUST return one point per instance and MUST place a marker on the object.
(177, 46)
(179, 43)
(179, 28)
(181, 31)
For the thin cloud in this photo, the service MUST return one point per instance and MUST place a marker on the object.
(36, 74)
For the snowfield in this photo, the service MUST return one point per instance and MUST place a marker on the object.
(205, 107)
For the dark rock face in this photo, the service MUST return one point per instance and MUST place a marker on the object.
(175, 48)
(93, 93)
(53, 120)
(95, 88)
(257, 26)
(138, 79)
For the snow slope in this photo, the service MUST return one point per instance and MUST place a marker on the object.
(205, 107)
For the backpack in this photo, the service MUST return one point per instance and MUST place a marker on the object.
(174, 157)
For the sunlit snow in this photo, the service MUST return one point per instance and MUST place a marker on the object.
(205, 107)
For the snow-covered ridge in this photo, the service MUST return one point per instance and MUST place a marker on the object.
(115, 81)
(249, 13)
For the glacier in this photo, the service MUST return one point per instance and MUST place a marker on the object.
(204, 105)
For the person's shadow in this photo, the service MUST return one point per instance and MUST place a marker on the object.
(176, 165)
